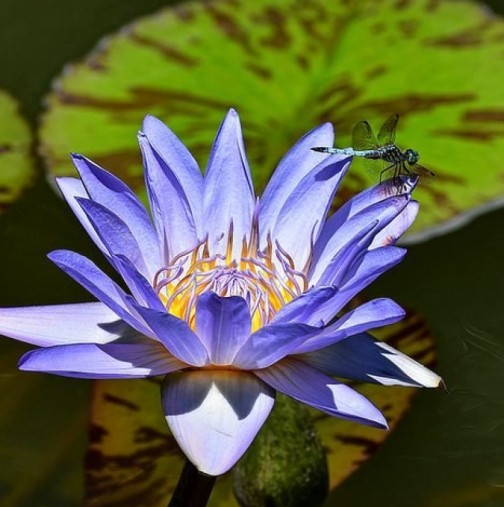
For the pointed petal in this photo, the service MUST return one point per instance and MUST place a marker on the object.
(179, 162)
(368, 197)
(306, 385)
(215, 415)
(87, 274)
(89, 360)
(223, 325)
(401, 223)
(174, 186)
(365, 359)
(176, 336)
(72, 188)
(309, 308)
(370, 266)
(111, 192)
(141, 289)
(114, 234)
(271, 343)
(62, 324)
(229, 193)
(293, 167)
(332, 239)
(374, 313)
(301, 217)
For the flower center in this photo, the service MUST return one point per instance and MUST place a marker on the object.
(267, 280)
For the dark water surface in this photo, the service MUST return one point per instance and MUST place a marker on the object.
(448, 450)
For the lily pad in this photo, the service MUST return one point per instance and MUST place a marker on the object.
(286, 66)
(16, 163)
(132, 455)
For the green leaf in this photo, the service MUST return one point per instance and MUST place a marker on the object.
(287, 66)
(133, 456)
(16, 163)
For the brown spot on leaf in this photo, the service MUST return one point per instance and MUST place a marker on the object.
(473, 135)
(370, 447)
(401, 4)
(376, 71)
(166, 50)
(408, 27)
(280, 37)
(484, 115)
(121, 402)
(259, 70)
(230, 27)
(5, 148)
(96, 433)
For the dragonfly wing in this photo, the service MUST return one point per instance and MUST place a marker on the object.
(426, 174)
(363, 137)
(388, 130)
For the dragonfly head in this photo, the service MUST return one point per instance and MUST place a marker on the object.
(412, 156)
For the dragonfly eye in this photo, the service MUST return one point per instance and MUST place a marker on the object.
(412, 156)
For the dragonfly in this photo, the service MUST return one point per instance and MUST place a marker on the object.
(381, 152)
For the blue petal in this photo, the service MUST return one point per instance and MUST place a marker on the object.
(271, 343)
(72, 188)
(114, 234)
(139, 286)
(309, 308)
(293, 167)
(369, 266)
(301, 217)
(176, 336)
(374, 313)
(223, 325)
(332, 239)
(174, 186)
(112, 193)
(401, 223)
(305, 384)
(215, 415)
(229, 193)
(365, 359)
(85, 272)
(108, 361)
(62, 324)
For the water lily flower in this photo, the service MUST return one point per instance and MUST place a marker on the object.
(229, 296)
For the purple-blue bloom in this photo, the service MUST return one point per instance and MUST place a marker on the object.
(231, 296)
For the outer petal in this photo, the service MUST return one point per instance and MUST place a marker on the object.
(368, 197)
(401, 223)
(365, 359)
(72, 188)
(223, 325)
(112, 193)
(293, 167)
(175, 188)
(301, 217)
(215, 415)
(176, 336)
(375, 313)
(305, 384)
(114, 234)
(272, 343)
(229, 193)
(85, 272)
(89, 360)
(309, 308)
(62, 324)
(332, 239)
(370, 266)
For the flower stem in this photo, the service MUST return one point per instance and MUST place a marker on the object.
(193, 488)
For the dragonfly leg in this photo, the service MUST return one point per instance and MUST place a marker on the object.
(387, 169)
